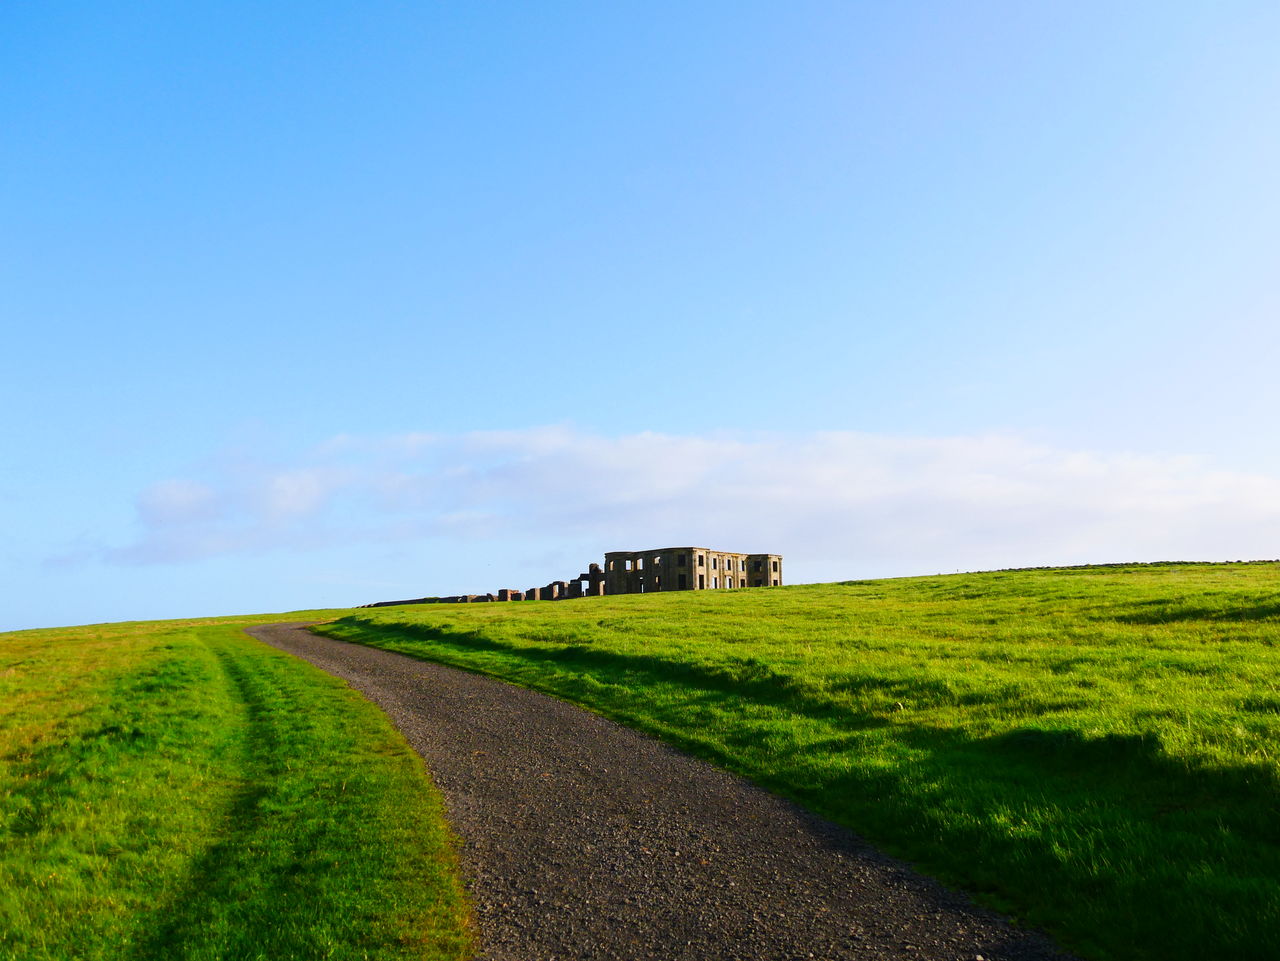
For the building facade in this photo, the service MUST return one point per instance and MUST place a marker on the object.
(688, 569)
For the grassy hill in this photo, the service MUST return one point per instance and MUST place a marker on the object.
(1093, 749)
(178, 790)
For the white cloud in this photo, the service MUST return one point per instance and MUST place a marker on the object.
(302, 491)
(176, 502)
(838, 504)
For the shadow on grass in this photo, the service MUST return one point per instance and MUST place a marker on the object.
(1137, 766)
(1164, 612)
(744, 678)
(1129, 852)
(126, 729)
(1132, 853)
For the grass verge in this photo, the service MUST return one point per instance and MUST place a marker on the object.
(179, 790)
(1093, 750)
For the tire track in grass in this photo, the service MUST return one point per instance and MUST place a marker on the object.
(279, 880)
(176, 790)
(207, 912)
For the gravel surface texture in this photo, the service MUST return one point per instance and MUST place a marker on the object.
(583, 839)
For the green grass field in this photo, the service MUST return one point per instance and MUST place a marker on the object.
(177, 790)
(1094, 750)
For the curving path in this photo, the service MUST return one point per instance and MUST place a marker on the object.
(585, 840)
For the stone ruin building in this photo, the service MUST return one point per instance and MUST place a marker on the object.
(642, 572)
(688, 569)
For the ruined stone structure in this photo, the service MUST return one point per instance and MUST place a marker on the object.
(590, 584)
(642, 572)
(688, 569)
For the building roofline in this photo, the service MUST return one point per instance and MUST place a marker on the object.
(709, 550)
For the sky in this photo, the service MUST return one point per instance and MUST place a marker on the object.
(316, 304)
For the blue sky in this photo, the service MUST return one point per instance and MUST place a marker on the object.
(316, 304)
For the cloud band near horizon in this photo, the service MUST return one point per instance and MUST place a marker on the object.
(837, 504)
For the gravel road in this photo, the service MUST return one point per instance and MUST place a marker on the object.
(585, 841)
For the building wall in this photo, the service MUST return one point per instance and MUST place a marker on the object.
(764, 570)
(688, 569)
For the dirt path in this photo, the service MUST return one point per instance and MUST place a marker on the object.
(584, 840)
